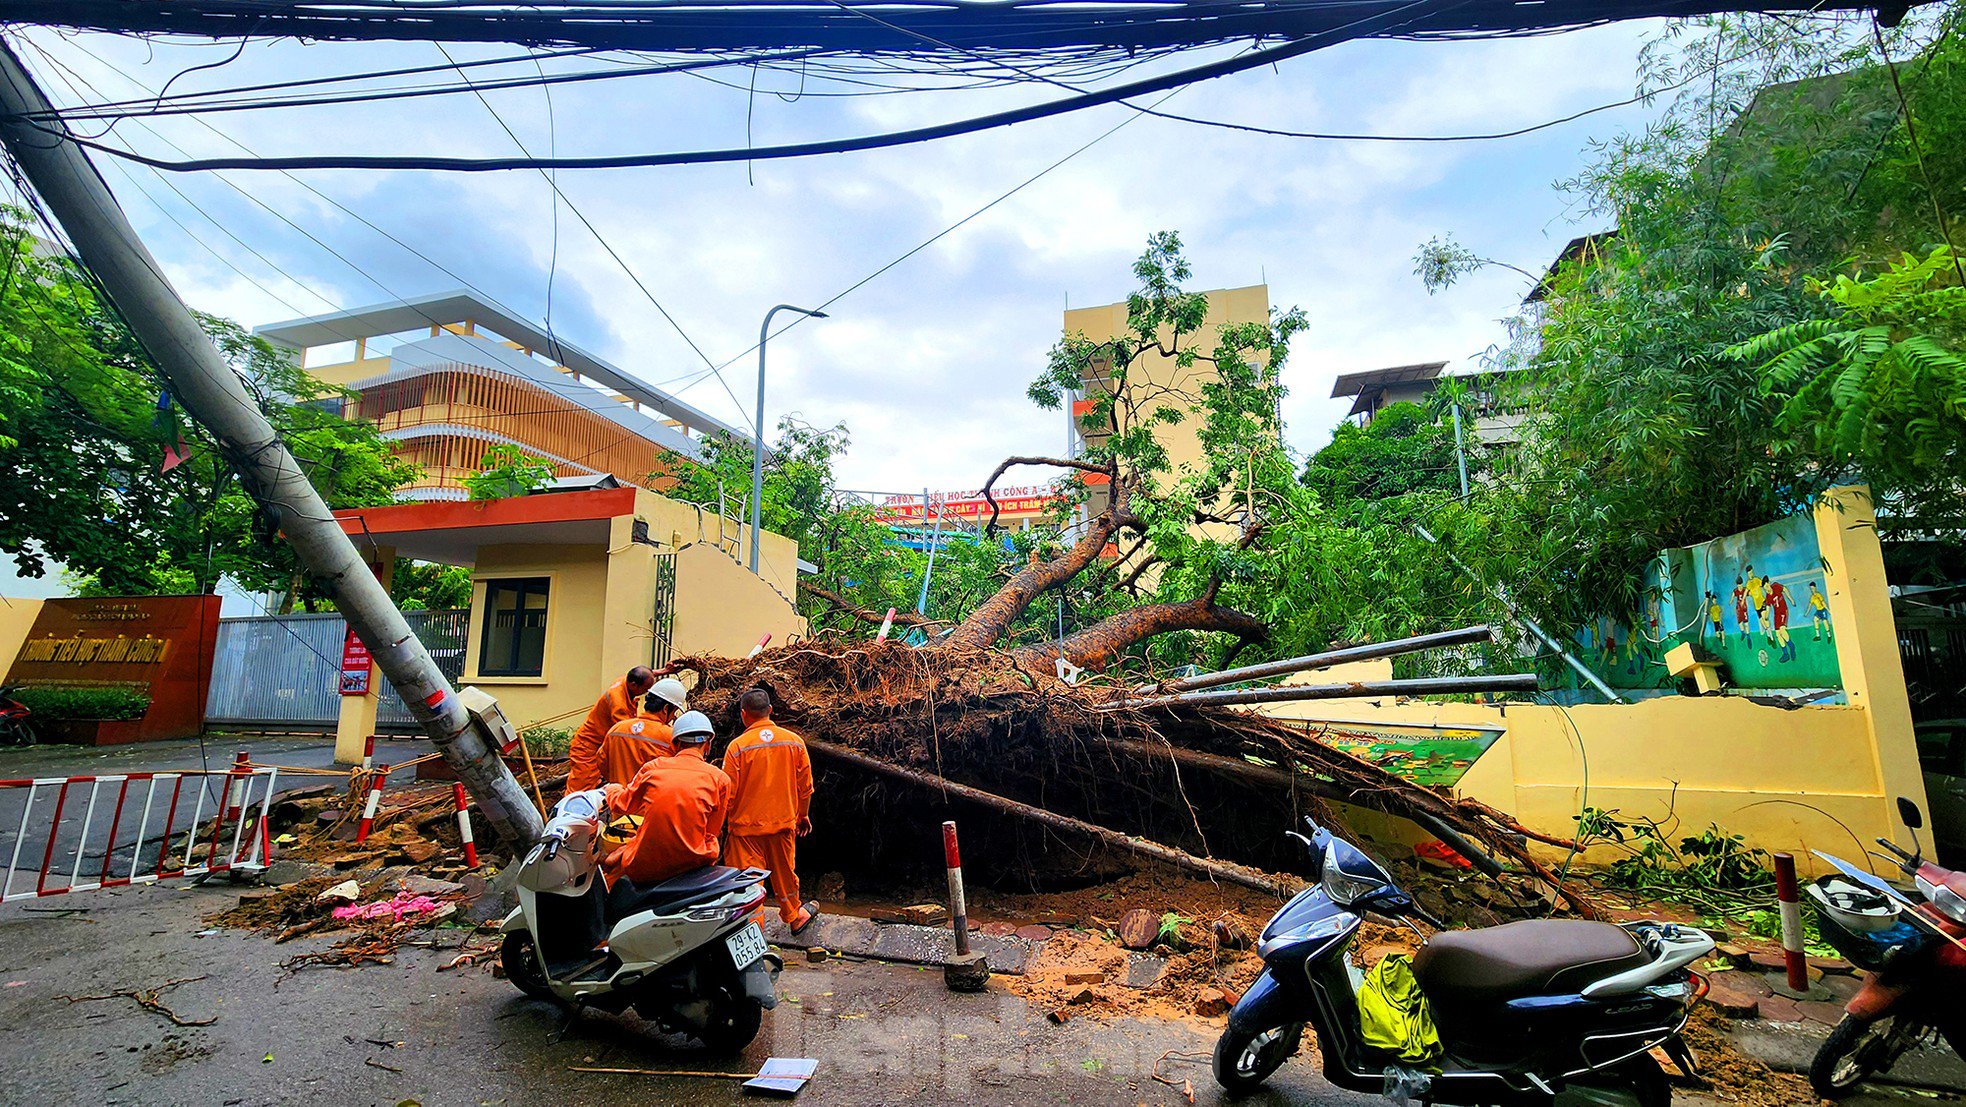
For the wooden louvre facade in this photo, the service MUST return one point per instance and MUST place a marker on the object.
(445, 419)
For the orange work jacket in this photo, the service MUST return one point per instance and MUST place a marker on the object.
(584, 752)
(632, 743)
(772, 775)
(682, 801)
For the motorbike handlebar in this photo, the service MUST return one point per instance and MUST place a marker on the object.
(1900, 854)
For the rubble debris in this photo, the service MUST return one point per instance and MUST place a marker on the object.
(405, 904)
(150, 1000)
(919, 914)
(1231, 934)
(1138, 929)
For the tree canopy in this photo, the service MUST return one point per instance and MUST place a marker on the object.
(102, 474)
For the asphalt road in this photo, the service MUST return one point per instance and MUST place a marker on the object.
(883, 1034)
(17, 763)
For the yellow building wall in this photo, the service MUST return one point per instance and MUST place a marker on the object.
(16, 622)
(1795, 779)
(578, 629)
(722, 610)
(1154, 373)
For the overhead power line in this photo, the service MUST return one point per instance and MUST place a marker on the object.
(1385, 19)
(670, 25)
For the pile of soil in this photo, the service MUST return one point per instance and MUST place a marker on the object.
(1729, 1074)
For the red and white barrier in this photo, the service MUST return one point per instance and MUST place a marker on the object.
(464, 826)
(958, 904)
(760, 647)
(243, 794)
(368, 753)
(371, 802)
(887, 624)
(1787, 897)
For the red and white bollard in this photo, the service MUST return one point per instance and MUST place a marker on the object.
(1790, 902)
(464, 826)
(369, 804)
(759, 648)
(368, 753)
(887, 624)
(967, 971)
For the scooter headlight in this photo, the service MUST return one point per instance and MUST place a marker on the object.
(1349, 875)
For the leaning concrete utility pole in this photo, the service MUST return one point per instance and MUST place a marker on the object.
(209, 389)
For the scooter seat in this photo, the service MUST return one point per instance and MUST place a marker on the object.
(1464, 970)
(626, 897)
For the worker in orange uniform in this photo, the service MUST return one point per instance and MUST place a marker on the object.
(632, 743)
(772, 774)
(617, 703)
(682, 802)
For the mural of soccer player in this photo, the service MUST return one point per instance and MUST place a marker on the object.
(1758, 599)
(1713, 618)
(1741, 612)
(1778, 618)
(1819, 612)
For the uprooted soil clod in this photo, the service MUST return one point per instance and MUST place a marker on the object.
(1211, 782)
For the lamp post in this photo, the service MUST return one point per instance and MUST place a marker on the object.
(758, 431)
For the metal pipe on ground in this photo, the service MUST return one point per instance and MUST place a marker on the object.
(213, 393)
(1328, 658)
(1357, 689)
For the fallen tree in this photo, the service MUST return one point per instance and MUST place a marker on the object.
(992, 734)
(1160, 565)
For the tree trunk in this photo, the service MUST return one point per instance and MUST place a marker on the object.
(992, 618)
(1101, 644)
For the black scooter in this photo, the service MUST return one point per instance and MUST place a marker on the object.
(1545, 1012)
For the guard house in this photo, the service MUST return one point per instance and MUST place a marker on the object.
(570, 589)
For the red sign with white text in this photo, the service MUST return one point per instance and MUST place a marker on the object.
(355, 665)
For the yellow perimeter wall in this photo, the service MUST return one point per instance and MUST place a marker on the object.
(1795, 779)
(16, 623)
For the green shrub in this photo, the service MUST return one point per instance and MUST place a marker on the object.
(57, 701)
(548, 741)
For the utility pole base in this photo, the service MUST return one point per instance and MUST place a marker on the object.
(967, 972)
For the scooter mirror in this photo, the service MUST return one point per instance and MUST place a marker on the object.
(1909, 815)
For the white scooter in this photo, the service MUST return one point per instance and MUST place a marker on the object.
(684, 953)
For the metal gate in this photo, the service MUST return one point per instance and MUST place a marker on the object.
(1933, 648)
(284, 671)
(662, 621)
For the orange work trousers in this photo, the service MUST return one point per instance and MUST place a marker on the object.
(774, 852)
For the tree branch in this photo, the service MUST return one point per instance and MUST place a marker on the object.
(990, 528)
(1099, 645)
(848, 607)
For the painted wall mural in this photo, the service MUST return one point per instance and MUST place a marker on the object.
(1757, 601)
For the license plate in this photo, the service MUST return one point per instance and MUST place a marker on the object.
(746, 946)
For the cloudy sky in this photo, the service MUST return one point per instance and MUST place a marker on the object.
(926, 364)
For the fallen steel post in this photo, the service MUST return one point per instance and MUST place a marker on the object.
(1368, 652)
(1426, 686)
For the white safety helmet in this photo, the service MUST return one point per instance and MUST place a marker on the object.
(693, 728)
(670, 691)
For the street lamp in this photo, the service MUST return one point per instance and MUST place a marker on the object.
(758, 430)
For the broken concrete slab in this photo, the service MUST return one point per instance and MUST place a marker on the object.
(1143, 971)
(285, 872)
(913, 945)
(421, 885)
